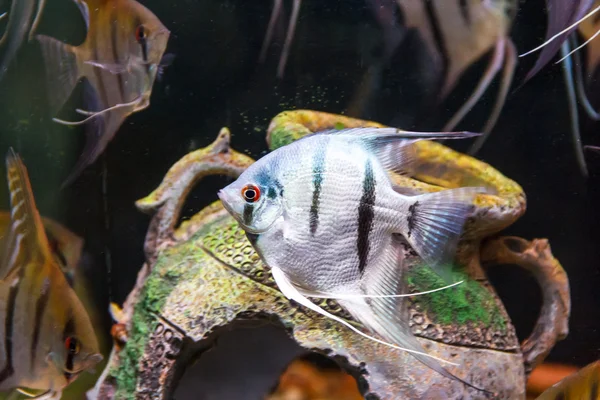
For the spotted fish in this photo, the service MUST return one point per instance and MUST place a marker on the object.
(325, 218)
(46, 337)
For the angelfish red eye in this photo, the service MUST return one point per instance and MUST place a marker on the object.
(140, 33)
(251, 193)
(72, 345)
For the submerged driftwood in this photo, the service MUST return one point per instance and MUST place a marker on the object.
(203, 276)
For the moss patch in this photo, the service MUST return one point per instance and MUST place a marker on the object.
(157, 288)
(467, 302)
(339, 126)
(281, 137)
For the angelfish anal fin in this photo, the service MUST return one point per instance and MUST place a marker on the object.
(384, 314)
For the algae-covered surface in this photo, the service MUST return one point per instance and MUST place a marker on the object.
(215, 276)
(467, 302)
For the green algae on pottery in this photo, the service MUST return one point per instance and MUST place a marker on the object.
(203, 275)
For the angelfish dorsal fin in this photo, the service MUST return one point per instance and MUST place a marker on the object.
(26, 238)
(393, 147)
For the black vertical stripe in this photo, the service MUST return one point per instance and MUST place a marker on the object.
(412, 210)
(114, 32)
(8, 369)
(438, 36)
(68, 332)
(40, 307)
(465, 11)
(594, 388)
(366, 214)
(318, 169)
(248, 211)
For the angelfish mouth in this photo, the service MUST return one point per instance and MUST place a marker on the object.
(223, 196)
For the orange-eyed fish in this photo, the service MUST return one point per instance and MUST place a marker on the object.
(120, 60)
(66, 245)
(46, 337)
(23, 19)
(323, 215)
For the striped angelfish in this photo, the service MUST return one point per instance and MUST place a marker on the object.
(65, 244)
(324, 216)
(46, 337)
(456, 34)
(120, 59)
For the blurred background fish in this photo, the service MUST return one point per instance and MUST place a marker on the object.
(315, 377)
(23, 19)
(456, 34)
(582, 385)
(48, 342)
(274, 20)
(569, 20)
(66, 245)
(120, 59)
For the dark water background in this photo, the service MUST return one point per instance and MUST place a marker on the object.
(216, 81)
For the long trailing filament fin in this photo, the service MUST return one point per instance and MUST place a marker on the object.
(94, 114)
(292, 293)
(559, 34)
(383, 296)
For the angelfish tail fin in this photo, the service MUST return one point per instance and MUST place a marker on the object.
(62, 70)
(435, 222)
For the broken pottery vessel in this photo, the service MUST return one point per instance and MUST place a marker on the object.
(203, 276)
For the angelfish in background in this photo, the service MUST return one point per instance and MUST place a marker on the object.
(65, 245)
(23, 19)
(120, 59)
(46, 339)
(584, 384)
(274, 19)
(456, 34)
(325, 218)
(565, 18)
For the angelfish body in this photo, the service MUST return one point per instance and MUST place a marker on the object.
(120, 60)
(46, 337)
(65, 244)
(323, 211)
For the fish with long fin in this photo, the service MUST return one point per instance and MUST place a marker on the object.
(120, 60)
(565, 19)
(273, 20)
(455, 35)
(23, 19)
(46, 337)
(323, 215)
